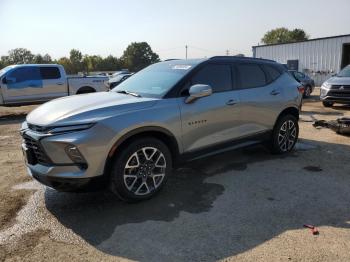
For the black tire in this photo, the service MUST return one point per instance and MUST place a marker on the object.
(307, 92)
(86, 90)
(280, 145)
(124, 187)
(327, 104)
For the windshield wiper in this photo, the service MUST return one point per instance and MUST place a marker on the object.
(128, 93)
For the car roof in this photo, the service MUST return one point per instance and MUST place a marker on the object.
(219, 59)
(25, 65)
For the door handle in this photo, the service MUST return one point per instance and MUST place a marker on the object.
(231, 102)
(59, 83)
(274, 93)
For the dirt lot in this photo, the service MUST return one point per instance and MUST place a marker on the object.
(243, 206)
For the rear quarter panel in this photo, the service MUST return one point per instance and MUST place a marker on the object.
(97, 83)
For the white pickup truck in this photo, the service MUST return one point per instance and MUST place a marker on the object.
(31, 83)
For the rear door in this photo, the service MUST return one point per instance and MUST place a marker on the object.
(261, 97)
(53, 81)
(214, 119)
(23, 84)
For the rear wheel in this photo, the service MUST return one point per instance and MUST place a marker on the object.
(308, 91)
(327, 104)
(86, 90)
(285, 134)
(141, 169)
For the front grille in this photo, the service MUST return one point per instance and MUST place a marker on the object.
(339, 91)
(342, 87)
(36, 148)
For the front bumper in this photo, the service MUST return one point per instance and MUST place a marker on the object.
(335, 95)
(48, 162)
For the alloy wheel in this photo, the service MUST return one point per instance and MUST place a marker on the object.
(144, 171)
(287, 136)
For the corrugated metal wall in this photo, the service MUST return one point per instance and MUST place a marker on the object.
(318, 58)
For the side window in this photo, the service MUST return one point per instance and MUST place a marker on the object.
(217, 76)
(24, 74)
(272, 72)
(251, 75)
(49, 72)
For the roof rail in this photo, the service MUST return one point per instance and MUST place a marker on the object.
(241, 58)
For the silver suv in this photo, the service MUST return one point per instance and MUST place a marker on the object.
(336, 89)
(131, 137)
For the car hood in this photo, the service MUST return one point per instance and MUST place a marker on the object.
(339, 81)
(86, 108)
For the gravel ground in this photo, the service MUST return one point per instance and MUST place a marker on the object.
(244, 205)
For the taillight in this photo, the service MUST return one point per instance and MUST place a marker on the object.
(301, 89)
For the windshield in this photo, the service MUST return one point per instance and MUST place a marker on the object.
(155, 80)
(345, 72)
(4, 70)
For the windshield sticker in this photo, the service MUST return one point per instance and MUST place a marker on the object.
(181, 67)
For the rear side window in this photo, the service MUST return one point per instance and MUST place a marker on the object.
(251, 75)
(272, 72)
(49, 72)
(217, 76)
(25, 74)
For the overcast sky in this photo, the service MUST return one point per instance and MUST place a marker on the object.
(208, 27)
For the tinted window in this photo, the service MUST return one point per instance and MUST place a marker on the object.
(217, 76)
(50, 72)
(25, 74)
(272, 72)
(251, 75)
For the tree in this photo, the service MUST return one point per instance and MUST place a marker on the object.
(138, 55)
(20, 56)
(76, 59)
(298, 35)
(66, 63)
(283, 35)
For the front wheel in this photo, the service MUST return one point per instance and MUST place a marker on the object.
(141, 169)
(285, 134)
(327, 104)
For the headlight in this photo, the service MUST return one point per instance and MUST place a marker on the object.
(326, 85)
(64, 129)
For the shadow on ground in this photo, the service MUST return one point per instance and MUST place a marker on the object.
(215, 207)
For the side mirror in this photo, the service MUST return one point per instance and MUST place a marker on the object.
(333, 75)
(8, 80)
(198, 91)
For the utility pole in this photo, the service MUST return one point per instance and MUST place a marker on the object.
(186, 50)
(227, 52)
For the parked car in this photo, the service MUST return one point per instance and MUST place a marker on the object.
(30, 83)
(114, 81)
(130, 137)
(306, 81)
(336, 89)
(123, 71)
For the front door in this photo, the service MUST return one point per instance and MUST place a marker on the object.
(23, 84)
(213, 119)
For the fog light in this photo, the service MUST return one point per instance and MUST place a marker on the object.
(75, 155)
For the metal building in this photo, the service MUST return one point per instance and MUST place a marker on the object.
(319, 58)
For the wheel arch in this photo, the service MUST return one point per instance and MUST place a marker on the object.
(85, 90)
(151, 131)
(288, 111)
